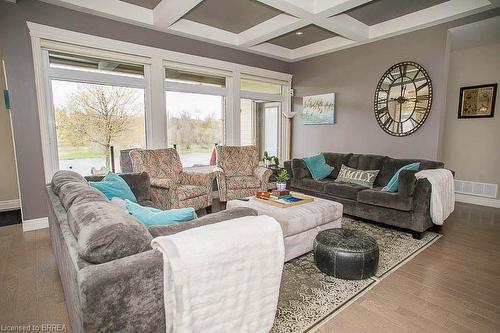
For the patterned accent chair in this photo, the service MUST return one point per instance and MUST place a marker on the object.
(238, 172)
(171, 187)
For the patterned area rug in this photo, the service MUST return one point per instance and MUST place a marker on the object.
(307, 296)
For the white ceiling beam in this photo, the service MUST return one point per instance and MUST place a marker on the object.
(204, 32)
(274, 27)
(277, 51)
(114, 9)
(321, 47)
(444, 12)
(346, 26)
(167, 12)
(327, 8)
(298, 8)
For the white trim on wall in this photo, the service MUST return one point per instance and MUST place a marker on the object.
(35, 224)
(7, 205)
(45, 37)
(481, 201)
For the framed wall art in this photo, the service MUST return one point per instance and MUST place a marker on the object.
(477, 101)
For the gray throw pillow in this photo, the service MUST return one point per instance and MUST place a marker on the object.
(360, 177)
(106, 232)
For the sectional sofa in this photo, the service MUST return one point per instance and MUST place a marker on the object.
(407, 208)
(112, 279)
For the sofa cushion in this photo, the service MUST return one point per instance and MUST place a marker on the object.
(299, 169)
(62, 177)
(365, 161)
(336, 160)
(224, 215)
(385, 199)
(77, 192)
(242, 182)
(343, 190)
(106, 232)
(313, 185)
(392, 165)
(114, 186)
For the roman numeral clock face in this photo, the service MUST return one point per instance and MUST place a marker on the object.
(403, 99)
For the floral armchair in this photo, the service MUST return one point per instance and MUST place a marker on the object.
(171, 187)
(238, 172)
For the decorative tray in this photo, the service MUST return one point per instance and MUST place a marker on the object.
(294, 199)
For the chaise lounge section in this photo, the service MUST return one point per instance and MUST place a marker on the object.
(408, 208)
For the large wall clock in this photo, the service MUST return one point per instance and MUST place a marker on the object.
(403, 99)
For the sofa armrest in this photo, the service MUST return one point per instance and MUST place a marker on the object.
(162, 183)
(124, 295)
(228, 214)
(197, 178)
(407, 182)
(262, 174)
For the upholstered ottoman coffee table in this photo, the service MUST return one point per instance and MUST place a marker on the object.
(300, 224)
(346, 254)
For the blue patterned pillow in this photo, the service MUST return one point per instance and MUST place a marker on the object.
(392, 185)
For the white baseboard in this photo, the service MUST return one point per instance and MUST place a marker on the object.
(35, 224)
(10, 205)
(489, 202)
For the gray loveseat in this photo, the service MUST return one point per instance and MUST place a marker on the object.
(112, 279)
(407, 208)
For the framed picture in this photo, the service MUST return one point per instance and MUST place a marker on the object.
(477, 101)
(319, 109)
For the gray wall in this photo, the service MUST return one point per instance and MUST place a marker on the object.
(16, 45)
(470, 146)
(353, 75)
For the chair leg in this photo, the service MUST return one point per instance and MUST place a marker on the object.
(223, 205)
(208, 209)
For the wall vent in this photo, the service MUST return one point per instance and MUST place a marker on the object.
(478, 189)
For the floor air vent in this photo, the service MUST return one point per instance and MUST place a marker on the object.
(474, 188)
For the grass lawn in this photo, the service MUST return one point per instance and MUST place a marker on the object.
(74, 153)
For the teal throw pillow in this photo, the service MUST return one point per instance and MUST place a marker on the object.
(114, 186)
(150, 216)
(392, 185)
(318, 167)
(364, 178)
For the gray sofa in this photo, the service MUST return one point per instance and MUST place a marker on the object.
(112, 279)
(407, 208)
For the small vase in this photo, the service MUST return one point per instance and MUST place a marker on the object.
(280, 186)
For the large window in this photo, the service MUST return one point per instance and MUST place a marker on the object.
(195, 106)
(98, 111)
(99, 98)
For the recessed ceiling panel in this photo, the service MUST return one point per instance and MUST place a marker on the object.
(379, 11)
(302, 37)
(144, 3)
(231, 15)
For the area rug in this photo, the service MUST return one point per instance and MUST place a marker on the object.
(308, 297)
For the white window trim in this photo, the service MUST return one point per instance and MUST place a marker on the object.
(70, 41)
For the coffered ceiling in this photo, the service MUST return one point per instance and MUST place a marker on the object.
(290, 30)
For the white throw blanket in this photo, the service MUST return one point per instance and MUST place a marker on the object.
(442, 193)
(225, 276)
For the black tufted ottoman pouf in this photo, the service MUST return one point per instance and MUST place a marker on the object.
(346, 254)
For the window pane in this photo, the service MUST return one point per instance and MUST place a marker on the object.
(260, 87)
(89, 64)
(247, 119)
(92, 118)
(174, 75)
(195, 125)
(260, 125)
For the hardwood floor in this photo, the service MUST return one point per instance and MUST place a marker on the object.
(452, 286)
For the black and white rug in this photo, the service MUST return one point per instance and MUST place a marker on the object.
(308, 297)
